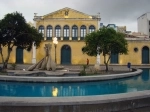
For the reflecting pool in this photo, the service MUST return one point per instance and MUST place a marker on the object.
(24, 89)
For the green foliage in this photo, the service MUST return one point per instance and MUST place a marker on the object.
(107, 39)
(82, 73)
(94, 71)
(3, 72)
(84, 67)
(13, 65)
(109, 42)
(91, 41)
(14, 31)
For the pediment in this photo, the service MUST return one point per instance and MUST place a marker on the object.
(66, 13)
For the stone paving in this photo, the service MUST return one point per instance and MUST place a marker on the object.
(80, 67)
(61, 70)
(28, 76)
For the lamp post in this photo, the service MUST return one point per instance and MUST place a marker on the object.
(55, 42)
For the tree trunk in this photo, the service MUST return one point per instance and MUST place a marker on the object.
(2, 57)
(7, 58)
(5, 65)
(106, 64)
(1, 54)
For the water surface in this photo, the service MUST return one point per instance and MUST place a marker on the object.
(24, 89)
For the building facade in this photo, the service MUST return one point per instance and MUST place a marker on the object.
(144, 24)
(121, 29)
(70, 27)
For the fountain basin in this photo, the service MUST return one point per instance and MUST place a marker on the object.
(68, 79)
(137, 101)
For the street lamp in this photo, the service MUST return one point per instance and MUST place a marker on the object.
(55, 42)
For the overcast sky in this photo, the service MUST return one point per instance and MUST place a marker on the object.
(119, 12)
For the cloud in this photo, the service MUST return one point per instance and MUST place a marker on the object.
(119, 12)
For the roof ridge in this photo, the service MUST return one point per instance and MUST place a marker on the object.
(67, 8)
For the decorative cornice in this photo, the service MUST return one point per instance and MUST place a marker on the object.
(38, 18)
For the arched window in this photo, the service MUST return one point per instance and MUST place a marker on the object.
(91, 29)
(66, 32)
(58, 32)
(74, 32)
(41, 30)
(83, 32)
(49, 32)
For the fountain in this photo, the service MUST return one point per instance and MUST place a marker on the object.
(46, 63)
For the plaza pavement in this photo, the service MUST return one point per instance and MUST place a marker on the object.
(80, 67)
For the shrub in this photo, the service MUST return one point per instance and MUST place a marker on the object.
(13, 65)
(82, 73)
(93, 70)
(84, 67)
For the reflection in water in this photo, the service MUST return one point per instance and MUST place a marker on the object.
(131, 90)
(54, 92)
(145, 74)
(131, 84)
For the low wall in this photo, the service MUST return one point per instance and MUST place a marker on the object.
(69, 79)
(125, 102)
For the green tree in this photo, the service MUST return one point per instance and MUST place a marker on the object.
(109, 42)
(14, 31)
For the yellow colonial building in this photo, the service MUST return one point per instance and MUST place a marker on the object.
(70, 27)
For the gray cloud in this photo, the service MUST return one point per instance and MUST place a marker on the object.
(119, 12)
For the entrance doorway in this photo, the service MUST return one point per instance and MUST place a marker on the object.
(19, 55)
(145, 55)
(66, 54)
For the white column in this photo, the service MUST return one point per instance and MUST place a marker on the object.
(34, 48)
(97, 64)
(98, 59)
(33, 54)
(98, 56)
